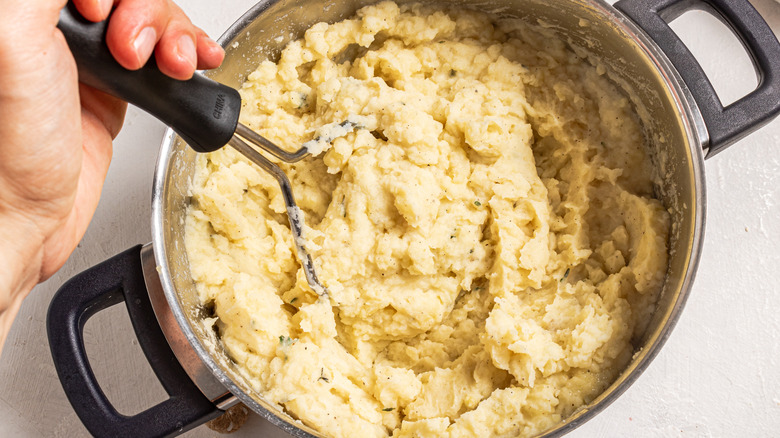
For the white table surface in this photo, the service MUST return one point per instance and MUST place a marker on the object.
(717, 375)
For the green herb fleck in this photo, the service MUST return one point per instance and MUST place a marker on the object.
(478, 204)
(302, 102)
(602, 143)
(293, 300)
(286, 341)
(388, 409)
(348, 124)
(565, 275)
(453, 72)
(322, 376)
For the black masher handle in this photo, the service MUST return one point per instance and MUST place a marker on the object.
(730, 124)
(111, 282)
(202, 111)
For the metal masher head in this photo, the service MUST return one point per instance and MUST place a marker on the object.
(294, 214)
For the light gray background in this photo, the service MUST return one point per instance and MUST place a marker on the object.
(718, 375)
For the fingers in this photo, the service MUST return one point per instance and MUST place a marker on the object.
(177, 51)
(134, 30)
(140, 27)
(210, 54)
(94, 10)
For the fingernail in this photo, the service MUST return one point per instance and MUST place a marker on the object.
(186, 50)
(105, 6)
(144, 44)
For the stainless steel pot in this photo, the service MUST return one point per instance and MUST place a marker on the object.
(681, 114)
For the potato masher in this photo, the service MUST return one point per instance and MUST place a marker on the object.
(203, 112)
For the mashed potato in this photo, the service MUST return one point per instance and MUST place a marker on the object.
(487, 234)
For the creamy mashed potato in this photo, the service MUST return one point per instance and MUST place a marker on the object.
(487, 233)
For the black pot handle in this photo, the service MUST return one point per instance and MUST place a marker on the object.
(732, 123)
(118, 279)
(203, 112)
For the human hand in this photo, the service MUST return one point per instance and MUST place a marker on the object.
(55, 134)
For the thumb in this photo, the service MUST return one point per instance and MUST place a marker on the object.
(27, 18)
(34, 48)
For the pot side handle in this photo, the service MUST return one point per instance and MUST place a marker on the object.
(730, 124)
(111, 282)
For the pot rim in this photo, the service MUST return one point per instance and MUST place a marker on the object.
(696, 135)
